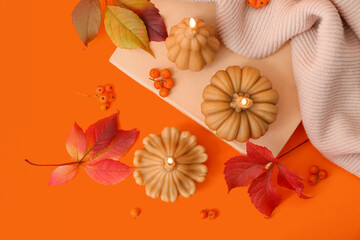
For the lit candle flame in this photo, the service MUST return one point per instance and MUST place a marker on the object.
(170, 161)
(192, 23)
(244, 101)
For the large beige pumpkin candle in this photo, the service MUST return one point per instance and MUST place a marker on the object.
(239, 104)
(170, 164)
(192, 44)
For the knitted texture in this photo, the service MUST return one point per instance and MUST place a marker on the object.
(325, 44)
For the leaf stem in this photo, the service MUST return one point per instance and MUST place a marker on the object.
(51, 165)
(293, 148)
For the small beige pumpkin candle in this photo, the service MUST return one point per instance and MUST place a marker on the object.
(239, 104)
(192, 44)
(170, 164)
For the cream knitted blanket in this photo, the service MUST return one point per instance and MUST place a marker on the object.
(325, 44)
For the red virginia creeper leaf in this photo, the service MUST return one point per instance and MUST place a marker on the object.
(100, 134)
(108, 171)
(241, 170)
(149, 14)
(86, 18)
(263, 193)
(289, 179)
(63, 174)
(259, 154)
(76, 142)
(119, 146)
(154, 24)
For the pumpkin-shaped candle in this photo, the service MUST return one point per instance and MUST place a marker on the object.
(192, 44)
(170, 164)
(239, 104)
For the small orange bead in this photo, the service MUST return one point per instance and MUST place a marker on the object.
(168, 83)
(134, 212)
(100, 90)
(313, 179)
(104, 106)
(158, 84)
(109, 88)
(112, 97)
(164, 92)
(314, 169)
(165, 73)
(322, 174)
(154, 73)
(204, 213)
(213, 213)
(103, 98)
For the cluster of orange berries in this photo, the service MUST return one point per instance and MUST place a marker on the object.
(211, 214)
(162, 81)
(105, 95)
(316, 174)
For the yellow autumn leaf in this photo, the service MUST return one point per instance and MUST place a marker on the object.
(126, 29)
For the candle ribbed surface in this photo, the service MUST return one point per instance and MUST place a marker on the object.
(325, 44)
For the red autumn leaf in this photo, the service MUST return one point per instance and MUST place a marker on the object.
(290, 180)
(119, 146)
(76, 142)
(86, 18)
(257, 167)
(108, 171)
(241, 170)
(102, 137)
(259, 154)
(100, 134)
(149, 14)
(154, 24)
(63, 174)
(263, 193)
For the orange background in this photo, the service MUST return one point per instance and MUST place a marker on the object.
(42, 64)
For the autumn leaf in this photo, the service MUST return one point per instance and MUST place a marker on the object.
(102, 140)
(257, 168)
(126, 29)
(100, 134)
(86, 18)
(149, 14)
(154, 24)
(108, 171)
(76, 142)
(119, 146)
(241, 170)
(290, 180)
(63, 174)
(263, 193)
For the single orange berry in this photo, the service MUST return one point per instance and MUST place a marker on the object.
(213, 213)
(314, 169)
(134, 212)
(112, 97)
(168, 83)
(313, 179)
(154, 73)
(204, 213)
(104, 106)
(103, 98)
(158, 84)
(109, 88)
(164, 92)
(100, 90)
(165, 73)
(322, 174)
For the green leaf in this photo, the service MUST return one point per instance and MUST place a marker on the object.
(126, 29)
(137, 6)
(86, 18)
